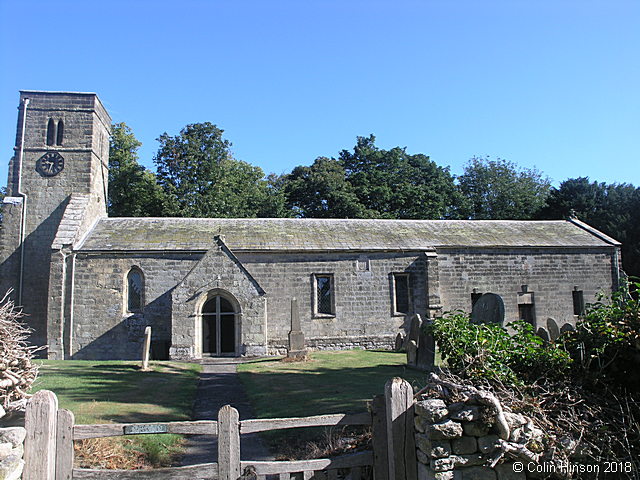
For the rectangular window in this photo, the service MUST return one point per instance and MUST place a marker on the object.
(578, 302)
(402, 297)
(324, 294)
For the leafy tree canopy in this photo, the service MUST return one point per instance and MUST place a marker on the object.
(201, 178)
(372, 183)
(322, 191)
(395, 184)
(133, 191)
(499, 189)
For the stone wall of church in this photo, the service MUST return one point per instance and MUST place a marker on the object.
(551, 274)
(363, 299)
(362, 288)
(363, 295)
(102, 329)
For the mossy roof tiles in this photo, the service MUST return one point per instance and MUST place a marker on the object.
(262, 234)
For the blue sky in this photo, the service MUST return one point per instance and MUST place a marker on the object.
(553, 84)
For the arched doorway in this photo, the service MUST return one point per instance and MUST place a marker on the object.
(219, 326)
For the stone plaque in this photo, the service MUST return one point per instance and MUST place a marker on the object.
(148, 428)
(488, 309)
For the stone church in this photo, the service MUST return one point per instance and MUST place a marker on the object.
(90, 284)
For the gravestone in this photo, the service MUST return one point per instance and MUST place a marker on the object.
(426, 351)
(414, 330)
(146, 347)
(399, 342)
(552, 327)
(488, 309)
(412, 353)
(542, 333)
(567, 327)
(296, 337)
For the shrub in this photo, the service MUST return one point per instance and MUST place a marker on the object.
(606, 342)
(489, 351)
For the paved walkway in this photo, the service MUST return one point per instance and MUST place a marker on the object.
(219, 385)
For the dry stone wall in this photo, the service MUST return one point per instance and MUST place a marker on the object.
(458, 440)
(11, 451)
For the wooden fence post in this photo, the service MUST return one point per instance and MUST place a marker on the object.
(64, 445)
(400, 430)
(379, 438)
(228, 443)
(40, 421)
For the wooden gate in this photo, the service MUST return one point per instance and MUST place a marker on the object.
(51, 432)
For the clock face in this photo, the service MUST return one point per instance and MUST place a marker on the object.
(50, 164)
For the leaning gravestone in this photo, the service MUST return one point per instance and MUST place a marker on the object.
(296, 337)
(552, 327)
(399, 342)
(488, 309)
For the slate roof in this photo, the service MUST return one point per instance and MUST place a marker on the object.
(267, 234)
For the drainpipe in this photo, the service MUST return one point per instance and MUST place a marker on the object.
(23, 218)
(71, 301)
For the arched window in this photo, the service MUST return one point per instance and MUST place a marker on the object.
(51, 132)
(134, 295)
(60, 133)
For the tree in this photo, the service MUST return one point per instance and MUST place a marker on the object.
(498, 189)
(322, 191)
(372, 183)
(612, 208)
(395, 184)
(274, 203)
(133, 191)
(201, 178)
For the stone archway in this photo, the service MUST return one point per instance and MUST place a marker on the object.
(219, 323)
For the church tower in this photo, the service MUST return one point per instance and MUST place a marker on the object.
(57, 189)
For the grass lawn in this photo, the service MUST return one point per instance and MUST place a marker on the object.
(118, 392)
(330, 382)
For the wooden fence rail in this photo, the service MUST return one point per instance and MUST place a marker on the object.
(99, 430)
(51, 432)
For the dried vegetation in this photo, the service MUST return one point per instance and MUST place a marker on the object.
(17, 370)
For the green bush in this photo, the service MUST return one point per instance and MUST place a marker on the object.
(606, 342)
(489, 351)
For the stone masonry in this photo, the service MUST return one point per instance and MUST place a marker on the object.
(457, 440)
(11, 451)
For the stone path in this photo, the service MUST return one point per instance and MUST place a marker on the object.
(220, 385)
